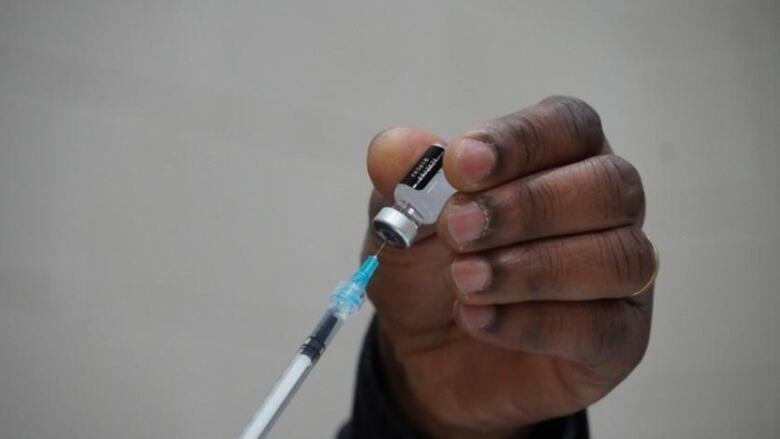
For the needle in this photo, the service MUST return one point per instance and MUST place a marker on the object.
(381, 247)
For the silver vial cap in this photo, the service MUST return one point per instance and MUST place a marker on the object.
(394, 227)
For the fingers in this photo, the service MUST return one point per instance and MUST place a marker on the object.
(613, 264)
(392, 152)
(591, 333)
(598, 193)
(557, 131)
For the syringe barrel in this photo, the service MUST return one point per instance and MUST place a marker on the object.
(280, 395)
(293, 376)
(345, 300)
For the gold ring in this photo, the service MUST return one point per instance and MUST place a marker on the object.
(657, 260)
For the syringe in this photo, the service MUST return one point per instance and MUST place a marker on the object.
(345, 300)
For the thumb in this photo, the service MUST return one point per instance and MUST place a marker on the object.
(407, 290)
(392, 152)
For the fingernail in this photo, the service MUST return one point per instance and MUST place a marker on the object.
(477, 318)
(465, 222)
(475, 160)
(470, 275)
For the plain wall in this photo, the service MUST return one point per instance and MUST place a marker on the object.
(168, 168)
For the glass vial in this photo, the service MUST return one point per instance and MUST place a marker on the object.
(419, 198)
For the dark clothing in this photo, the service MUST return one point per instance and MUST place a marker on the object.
(376, 416)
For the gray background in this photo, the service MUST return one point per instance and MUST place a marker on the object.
(167, 167)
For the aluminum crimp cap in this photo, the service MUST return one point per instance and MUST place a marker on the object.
(394, 227)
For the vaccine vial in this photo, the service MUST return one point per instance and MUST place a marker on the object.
(419, 198)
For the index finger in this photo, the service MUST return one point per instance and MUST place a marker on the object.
(557, 131)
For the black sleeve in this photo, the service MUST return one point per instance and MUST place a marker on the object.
(376, 416)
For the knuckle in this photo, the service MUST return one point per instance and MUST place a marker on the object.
(644, 255)
(621, 184)
(524, 134)
(515, 137)
(537, 199)
(544, 269)
(543, 323)
(615, 256)
(609, 329)
(629, 256)
(576, 115)
(630, 184)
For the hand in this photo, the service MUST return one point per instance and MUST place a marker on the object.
(533, 298)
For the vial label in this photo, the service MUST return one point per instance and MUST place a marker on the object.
(425, 169)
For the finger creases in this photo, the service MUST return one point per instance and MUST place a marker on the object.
(592, 333)
(612, 264)
(557, 131)
(598, 193)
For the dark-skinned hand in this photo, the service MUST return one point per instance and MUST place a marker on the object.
(532, 298)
